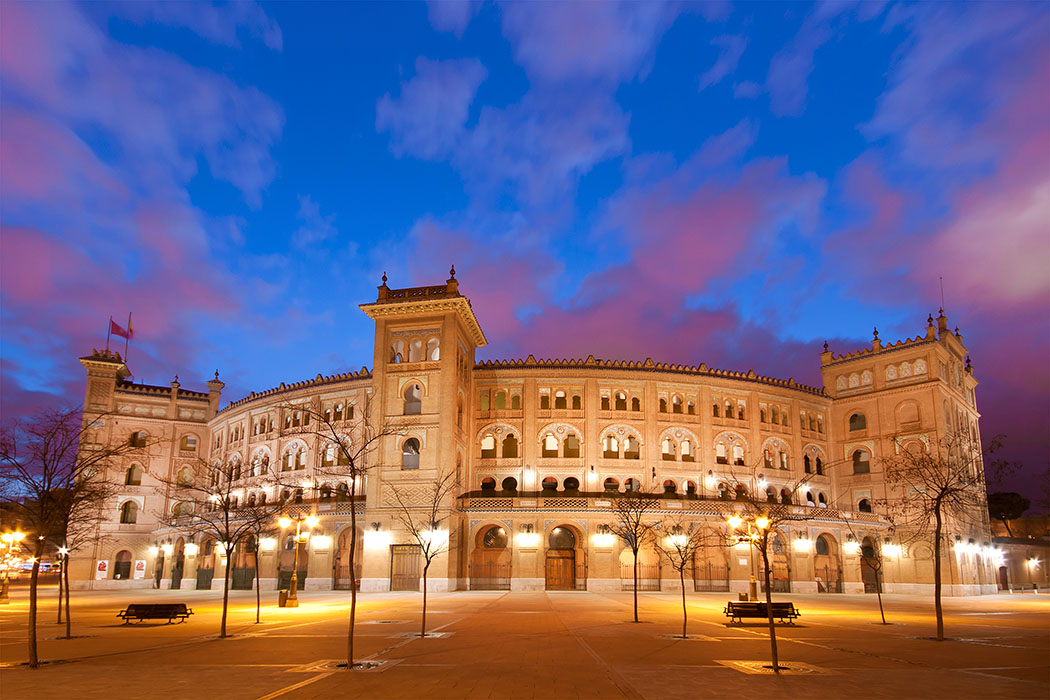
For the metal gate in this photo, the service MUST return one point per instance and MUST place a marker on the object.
(404, 567)
(176, 574)
(284, 579)
(648, 577)
(204, 577)
(829, 580)
(869, 575)
(710, 577)
(241, 578)
(489, 576)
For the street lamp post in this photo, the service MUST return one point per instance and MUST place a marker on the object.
(311, 521)
(8, 541)
(761, 523)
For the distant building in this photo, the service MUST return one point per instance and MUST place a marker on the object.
(540, 448)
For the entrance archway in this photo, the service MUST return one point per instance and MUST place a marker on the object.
(180, 560)
(287, 560)
(869, 566)
(490, 562)
(780, 566)
(826, 571)
(710, 570)
(206, 565)
(344, 580)
(242, 576)
(564, 562)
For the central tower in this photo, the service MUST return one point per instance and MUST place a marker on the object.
(425, 340)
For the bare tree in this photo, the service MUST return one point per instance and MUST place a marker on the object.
(871, 557)
(757, 518)
(680, 542)
(205, 503)
(350, 441)
(937, 487)
(426, 522)
(55, 468)
(633, 527)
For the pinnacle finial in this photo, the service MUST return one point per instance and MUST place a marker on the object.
(825, 346)
(452, 272)
(176, 378)
(929, 319)
(956, 330)
(216, 375)
(384, 277)
(876, 332)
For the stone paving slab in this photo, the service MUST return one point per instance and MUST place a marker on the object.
(532, 645)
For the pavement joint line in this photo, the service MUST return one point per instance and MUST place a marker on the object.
(621, 684)
(296, 686)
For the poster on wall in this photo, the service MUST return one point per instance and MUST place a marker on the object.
(140, 569)
(101, 570)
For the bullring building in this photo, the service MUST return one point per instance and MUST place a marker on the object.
(540, 450)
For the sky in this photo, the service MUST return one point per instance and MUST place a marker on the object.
(691, 182)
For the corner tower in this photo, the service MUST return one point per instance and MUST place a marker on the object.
(425, 339)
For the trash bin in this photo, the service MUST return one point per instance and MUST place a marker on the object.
(742, 597)
(282, 598)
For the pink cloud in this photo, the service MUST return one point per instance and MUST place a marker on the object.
(452, 15)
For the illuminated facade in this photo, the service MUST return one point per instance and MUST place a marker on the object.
(540, 449)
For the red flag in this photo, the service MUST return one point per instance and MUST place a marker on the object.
(117, 330)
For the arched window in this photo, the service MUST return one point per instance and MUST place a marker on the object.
(762, 415)
(571, 484)
(342, 491)
(785, 497)
(550, 446)
(631, 448)
(298, 496)
(767, 458)
(636, 404)
(723, 491)
(137, 439)
(545, 401)
(326, 492)
(571, 446)
(632, 484)
(515, 402)
(822, 500)
(775, 415)
(690, 408)
(771, 494)
(415, 351)
(783, 460)
(484, 402)
(690, 488)
(738, 455)
(611, 484)
(621, 401)
(663, 405)
(668, 450)
(185, 477)
(605, 403)
(488, 447)
(410, 454)
(488, 484)
(610, 447)
(687, 451)
(809, 499)
(133, 476)
(561, 538)
(670, 486)
(122, 565)
(397, 352)
(433, 349)
(806, 465)
(864, 506)
(459, 413)
(129, 512)
(510, 446)
(676, 404)
(188, 442)
(820, 466)
(729, 409)
(413, 400)
(861, 462)
(857, 421)
(500, 401)
(252, 499)
(494, 538)
(577, 403)
(549, 483)
(560, 400)
(509, 484)
(823, 547)
(721, 456)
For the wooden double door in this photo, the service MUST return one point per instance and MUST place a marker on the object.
(561, 570)
(405, 567)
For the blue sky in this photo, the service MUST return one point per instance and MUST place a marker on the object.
(719, 183)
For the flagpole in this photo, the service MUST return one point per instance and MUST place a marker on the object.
(109, 329)
(127, 338)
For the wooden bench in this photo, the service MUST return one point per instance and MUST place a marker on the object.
(155, 611)
(737, 611)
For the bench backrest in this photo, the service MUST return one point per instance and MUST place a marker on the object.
(157, 609)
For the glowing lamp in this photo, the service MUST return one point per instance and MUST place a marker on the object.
(167, 549)
(312, 520)
(762, 522)
(284, 521)
(678, 540)
(376, 538)
(267, 544)
(735, 521)
(191, 549)
(153, 550)
(63, 551)
(321, 542)
(604, 539)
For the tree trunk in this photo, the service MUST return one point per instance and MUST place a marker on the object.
(878, 592)
(685, 614)
(353, 577)
(258, 588)
(1007, 524)
(769, 613)
(69, 615)
(33, 580)
(59, 620)
(937, 572)
(426, 567)
(225, 592)
(635, 585)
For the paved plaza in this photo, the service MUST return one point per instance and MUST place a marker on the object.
(530, 645)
